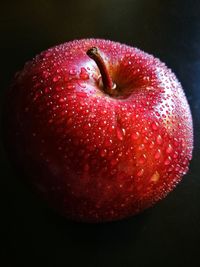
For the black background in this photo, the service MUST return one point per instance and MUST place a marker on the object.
(165, 235)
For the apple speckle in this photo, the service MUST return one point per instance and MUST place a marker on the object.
(158, 154)
(159, 139)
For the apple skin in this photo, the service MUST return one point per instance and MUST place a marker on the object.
(94, 157)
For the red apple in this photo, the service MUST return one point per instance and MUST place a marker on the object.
(101, 129)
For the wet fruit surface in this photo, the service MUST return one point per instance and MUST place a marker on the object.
(92, 156)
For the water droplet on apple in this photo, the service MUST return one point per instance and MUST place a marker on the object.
(176, 143)
(159, 139)
(140, 172)
(154, 126)
(142, 159)
(45, 74)
(58, 70)
(141, 147)
(103, 152)
(47, 54)
(167, 161)
(81, 84)
(72, 72)
(56, 78)
(58, 88)
(120, 133)
(151, 145)
(81, 94)
(83, 74)
(170, 169)
(135, 135)
(169, 149)
(177, 169)
(46, 90)
(175, 155)
(70, 86)
(158, 154)
(185, 162)
(111, 128)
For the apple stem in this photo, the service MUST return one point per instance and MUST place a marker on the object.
(108, 84)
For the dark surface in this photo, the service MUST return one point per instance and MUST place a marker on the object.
(169, 233)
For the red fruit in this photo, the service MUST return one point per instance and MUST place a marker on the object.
(104, 142)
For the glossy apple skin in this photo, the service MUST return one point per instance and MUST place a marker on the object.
(91, 156)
